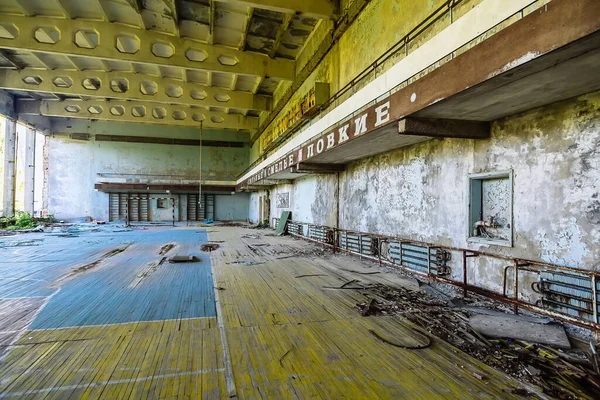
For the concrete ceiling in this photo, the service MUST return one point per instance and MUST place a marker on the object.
(175, 62)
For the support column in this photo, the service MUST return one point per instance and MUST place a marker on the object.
(29, 172)
(10, 141)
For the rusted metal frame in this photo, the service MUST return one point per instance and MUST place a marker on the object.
(528, 306)
(476, 253)
(360, 245)
(595, 299)
(428, 261)
(515, 301)
(516, 287)
(464, 269)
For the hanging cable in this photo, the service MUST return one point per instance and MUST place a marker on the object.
(200, 171)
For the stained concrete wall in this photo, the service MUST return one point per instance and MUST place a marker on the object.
(73, 167)
(232, 207)
(420, 192)
(307, 201)
(253, 206)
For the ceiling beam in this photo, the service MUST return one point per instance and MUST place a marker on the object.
(137, 7)
(172, 4)
(287, 19)
(63, 9)
(129, 86)
(136, 46)
(23, 8)
(322, 9)
(249, 15)
(444, 128)
(136, 112)
(211, 22)
(105, 16)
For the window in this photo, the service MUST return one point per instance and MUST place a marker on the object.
(161, 203)
(490, 208)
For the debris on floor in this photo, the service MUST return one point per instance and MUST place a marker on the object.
(183, 259)
(152, 267)
(19, 243)
(245, 263)
(209, 247)
(234, 224)
(511, 326)
(93, 264)
(558, 371)
(165, 249)
(427, 340)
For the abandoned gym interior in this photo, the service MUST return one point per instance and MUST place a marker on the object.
(300, 199)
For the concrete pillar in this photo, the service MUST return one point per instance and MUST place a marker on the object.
(10, 141)
(29, 172)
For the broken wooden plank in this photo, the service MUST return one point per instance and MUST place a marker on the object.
(183, 259)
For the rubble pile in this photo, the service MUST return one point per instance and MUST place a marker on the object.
(559, 373)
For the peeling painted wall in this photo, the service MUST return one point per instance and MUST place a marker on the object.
(312, 200)
(420, 192)
(73, 167)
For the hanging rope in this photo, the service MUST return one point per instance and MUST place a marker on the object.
(200, 171)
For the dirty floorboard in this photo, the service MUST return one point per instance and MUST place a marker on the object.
(105, 315)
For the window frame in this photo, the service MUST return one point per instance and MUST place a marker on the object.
(476, 190)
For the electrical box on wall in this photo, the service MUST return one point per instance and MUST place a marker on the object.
(490, 205)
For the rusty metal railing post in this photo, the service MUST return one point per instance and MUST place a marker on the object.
(360, 244)
(428, 260)
(464, 265)
(516, 287)
(595, 304)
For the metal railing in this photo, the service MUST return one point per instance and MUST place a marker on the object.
(567, 294)
(401, 46)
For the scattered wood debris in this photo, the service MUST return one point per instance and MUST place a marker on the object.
(183, 259)
(209, 247)
(308, 275)
(19, 243)
(403, 346)
(165, 249)
(369, 308)
(93, 264)
(360, 272)
(245, 263)
(559, 373)
(152, 267)
(283, 356)
(346, 286)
